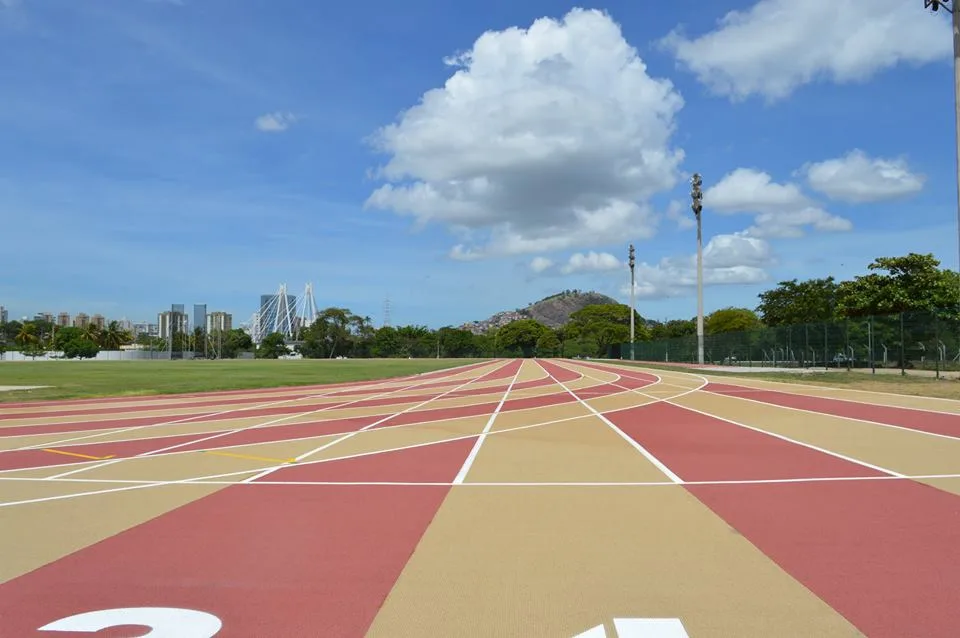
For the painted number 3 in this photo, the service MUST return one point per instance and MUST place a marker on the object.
(164, 622)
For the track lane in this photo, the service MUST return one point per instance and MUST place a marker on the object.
(922, 421)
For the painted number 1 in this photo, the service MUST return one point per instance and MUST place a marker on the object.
(164, 622)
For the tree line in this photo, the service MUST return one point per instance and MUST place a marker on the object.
(911, 283)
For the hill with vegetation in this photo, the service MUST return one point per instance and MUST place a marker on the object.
(553, 311)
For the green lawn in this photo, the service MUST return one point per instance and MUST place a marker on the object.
(888, 381)
(78, 379)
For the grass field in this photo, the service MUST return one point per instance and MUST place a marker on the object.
(78, 379)
(911, 384)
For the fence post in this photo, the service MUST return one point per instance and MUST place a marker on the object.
(903, 363)
(873, 366)
(826, 359)
(936, 342)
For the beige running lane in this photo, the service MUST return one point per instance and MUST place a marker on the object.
(556, 561)
(581, 450)
(904, 451)
(951, 485)
(44, 532)
(949, 406)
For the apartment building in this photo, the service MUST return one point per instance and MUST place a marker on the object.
(219, 320)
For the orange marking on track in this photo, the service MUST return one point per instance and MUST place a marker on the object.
(82, 456)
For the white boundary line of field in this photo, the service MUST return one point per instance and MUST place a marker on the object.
(144, 483)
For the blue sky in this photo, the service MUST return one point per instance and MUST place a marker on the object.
(206, 151)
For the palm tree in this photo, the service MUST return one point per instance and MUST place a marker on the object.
(113, 336)
(27, 334)
(92, 332)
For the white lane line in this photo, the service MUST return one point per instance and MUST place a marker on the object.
(304, 438)
(838, 416)
(781, 481)
(785, 387)
(213, 478)
(349, 435)
(209, 478)
(288, 417)
(642, 391)
(646, 454)
(850, 459)
(468, 463)
(107, 431)
(328, 391)
(810, 446)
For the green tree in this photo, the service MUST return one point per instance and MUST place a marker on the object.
(233, 342)
(605, 325)
(65, 335)
(80, 347)
(548, 344)
(911, 283)
(113, 336)
(386, 343)
(272, 347)
(521, 336)
(27, 335)
(455, 342)
(795, 302)
(673, 329)
(731, 320)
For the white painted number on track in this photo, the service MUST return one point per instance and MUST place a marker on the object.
(164, 622)
(640, 628)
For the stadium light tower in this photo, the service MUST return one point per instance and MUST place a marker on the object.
(632, 289)
(697, 195)
(951, 7)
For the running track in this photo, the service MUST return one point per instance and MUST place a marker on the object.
(508, 498)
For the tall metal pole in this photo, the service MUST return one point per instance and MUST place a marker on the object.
(956, 106)
(697, 195)
(633, 352)
(936, 5)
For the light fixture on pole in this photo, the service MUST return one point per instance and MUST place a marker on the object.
(632, 289)
(697, 195)
(951, 7)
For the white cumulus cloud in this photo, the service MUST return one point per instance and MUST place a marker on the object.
(591, 262)
(727, 260)
(682, 215)
(776, 46)
(275, 122)
(540, 264)
(857, 178)
(544, 138)
(780, 210)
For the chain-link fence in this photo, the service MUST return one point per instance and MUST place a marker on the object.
(905, 341)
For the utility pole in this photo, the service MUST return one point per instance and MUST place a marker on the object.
(951, 7)
(633, 353)
(697, 195)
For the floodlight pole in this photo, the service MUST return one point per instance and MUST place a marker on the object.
(936, 5)
(632, 294)
(697, 195)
